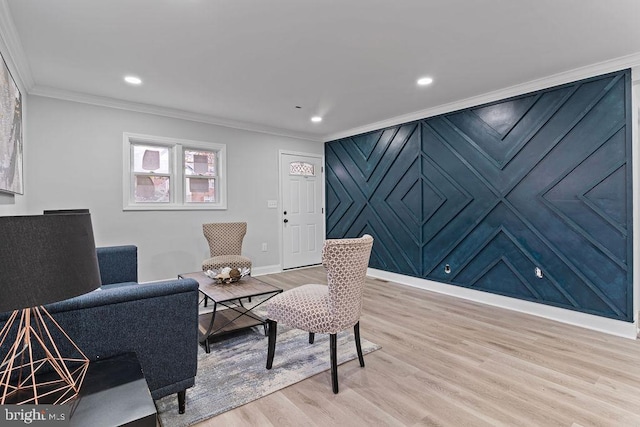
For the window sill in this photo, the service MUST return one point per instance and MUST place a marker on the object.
(170, 207)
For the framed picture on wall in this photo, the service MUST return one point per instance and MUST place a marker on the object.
(10, 133)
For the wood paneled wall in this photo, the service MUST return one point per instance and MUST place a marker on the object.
(528, 197)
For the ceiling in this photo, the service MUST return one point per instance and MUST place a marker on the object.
(250, 63)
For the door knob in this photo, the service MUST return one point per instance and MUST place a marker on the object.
(286, 220)
(285, 212)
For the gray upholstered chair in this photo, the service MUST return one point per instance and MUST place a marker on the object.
(326, 309)
(225, 245)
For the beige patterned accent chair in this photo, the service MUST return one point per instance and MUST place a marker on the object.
(326, 309)
(225, 245)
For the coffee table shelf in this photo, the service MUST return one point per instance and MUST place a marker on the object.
(228, 312)
(227, 320)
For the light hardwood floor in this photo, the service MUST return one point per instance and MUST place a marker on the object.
(449, 362)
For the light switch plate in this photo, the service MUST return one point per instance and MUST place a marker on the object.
(272, 204)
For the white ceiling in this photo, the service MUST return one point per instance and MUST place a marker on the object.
(249, 63)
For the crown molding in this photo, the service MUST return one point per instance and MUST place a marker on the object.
(16, 59)
(12, 50)
(14, 56)
(629, 61)
(102, 101)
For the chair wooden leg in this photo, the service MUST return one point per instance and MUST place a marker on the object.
(356, 332)
(271, 347)
(312, 336)
(182, 395)
(334, 361)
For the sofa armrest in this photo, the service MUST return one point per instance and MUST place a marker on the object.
(158, 321)
(118, 264)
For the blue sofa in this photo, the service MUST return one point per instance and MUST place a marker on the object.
(158, 321)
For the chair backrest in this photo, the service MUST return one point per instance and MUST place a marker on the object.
(225, 238)
(346, 261)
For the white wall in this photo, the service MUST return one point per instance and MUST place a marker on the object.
(73, 159)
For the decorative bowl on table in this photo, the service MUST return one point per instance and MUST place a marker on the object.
(227, 274)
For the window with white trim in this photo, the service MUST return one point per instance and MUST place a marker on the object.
(170, 174)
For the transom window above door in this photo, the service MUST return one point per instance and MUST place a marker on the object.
(302, 169)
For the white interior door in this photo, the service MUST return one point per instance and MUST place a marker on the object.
(302, 210)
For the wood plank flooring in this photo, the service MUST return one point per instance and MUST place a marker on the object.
(449, 362)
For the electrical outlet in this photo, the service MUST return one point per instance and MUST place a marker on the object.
(264, 247)
(538, 273)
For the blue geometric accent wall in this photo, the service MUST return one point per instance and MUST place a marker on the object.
(528, 197)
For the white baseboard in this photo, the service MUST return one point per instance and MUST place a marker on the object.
(589, 321)
(266, 269)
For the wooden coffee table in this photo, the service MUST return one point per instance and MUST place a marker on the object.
(229, 313)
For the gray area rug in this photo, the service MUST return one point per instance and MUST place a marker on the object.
(234, 372)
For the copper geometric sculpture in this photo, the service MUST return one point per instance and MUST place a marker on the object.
(34, 356)
(43, 259)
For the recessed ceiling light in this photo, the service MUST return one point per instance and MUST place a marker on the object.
(425, 81)
(133, 80)
(316, 119)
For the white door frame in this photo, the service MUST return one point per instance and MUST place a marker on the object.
(281, 199)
